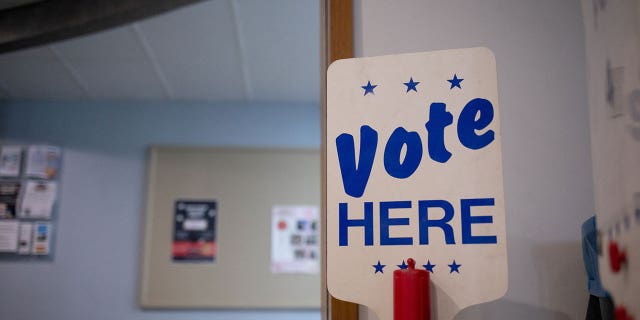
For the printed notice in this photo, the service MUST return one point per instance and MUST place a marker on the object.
(9, 191)
(41, 238)
(295, 239)
(9, 236)
(194, 233)
(38, 199)
(24, 238)
(10, 157)
(43, 162)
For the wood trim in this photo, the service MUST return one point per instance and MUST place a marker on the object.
(340, 29)
(337, 43)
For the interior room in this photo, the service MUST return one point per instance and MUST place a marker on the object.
(126, 99)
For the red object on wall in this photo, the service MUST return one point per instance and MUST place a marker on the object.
(617, 257)
(621, 314)
(411, 299)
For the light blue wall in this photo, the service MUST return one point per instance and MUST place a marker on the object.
(99, 232)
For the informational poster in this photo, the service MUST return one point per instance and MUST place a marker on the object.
(10, 157)
(43, 162)
(194, 233)
(8, 235)
(9, 191)
(25, 237)
(38, 199)
(41, 238)
(295, 239)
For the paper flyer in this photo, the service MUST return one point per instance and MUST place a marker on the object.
(8, 235)
(38, 199)
(24, 237)
(194, 233)
(10, 158)
(41, 238)
(9, 191)
(43, 162)
(295, 239)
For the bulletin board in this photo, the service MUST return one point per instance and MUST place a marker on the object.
(245, 184)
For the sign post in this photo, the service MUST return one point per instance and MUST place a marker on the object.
(414, 169)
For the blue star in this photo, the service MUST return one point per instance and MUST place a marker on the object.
(455, 82)
(403, 265)
(369, 88)
(411, 85)
(378, 267)
(454, 267)
(429, 267)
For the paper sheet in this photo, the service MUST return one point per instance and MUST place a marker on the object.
(38, 199)
(8, 236)
(295, 238)
(10, 157)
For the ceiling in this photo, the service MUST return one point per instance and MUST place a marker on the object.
(219, 50)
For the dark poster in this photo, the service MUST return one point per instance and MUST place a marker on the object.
(194, 233)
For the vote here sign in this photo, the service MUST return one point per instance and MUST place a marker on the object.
(414, 169)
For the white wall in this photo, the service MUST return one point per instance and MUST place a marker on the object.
(539, 47)
(95, 271)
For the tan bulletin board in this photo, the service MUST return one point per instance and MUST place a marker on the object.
(246, 184)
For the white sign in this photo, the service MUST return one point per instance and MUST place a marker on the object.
(414, 169)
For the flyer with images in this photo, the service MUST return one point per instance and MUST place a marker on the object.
(25, 237)
(295, 239)
(43, 161)
(41, 238)
(38, 199)
(10, 157)
(8, 235)
(194, 232)
(9, 191)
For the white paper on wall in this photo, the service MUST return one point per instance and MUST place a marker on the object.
(10, 159)
(8, 235)
(37, 199)
(295, 239)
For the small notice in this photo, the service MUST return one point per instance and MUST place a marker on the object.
(194, 235)
(10, 161)
(9, 191)
(41, 238)
(24, 238)
(295, 238)
(38, 199)
(9, 236)
(43, 162)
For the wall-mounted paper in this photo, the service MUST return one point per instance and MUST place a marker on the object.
(10, 157)
(194, 233)
(25, 237)
(9, 191)
(295, 238)
(9, 236)
(43, 161)
(38, 199)
(41, 238)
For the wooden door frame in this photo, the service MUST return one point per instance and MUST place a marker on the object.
(336, 43)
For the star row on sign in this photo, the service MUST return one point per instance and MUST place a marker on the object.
(453, 267)
(616, 229)
(413, 85)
